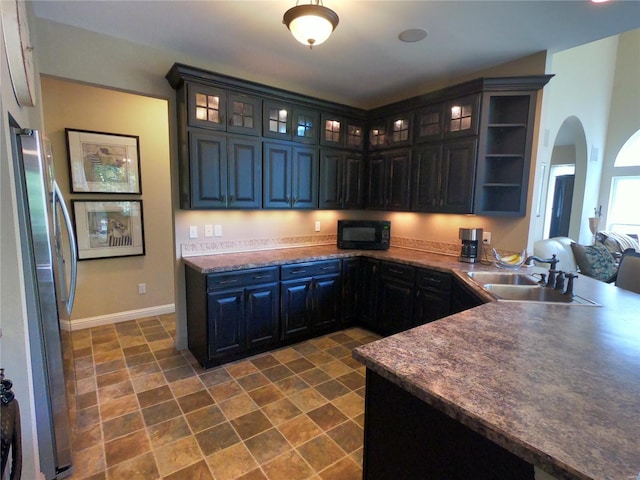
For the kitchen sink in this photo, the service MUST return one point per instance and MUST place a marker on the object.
(535, 293)
(503, 278)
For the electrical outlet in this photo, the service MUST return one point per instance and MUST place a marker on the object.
(317, 226)
(486, 238)
(193, 231)
(218, 230)
(208, 230)
(142, 288)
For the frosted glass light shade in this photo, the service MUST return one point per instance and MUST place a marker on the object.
(311, 24)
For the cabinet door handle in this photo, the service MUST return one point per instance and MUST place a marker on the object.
(295, 200)
(224, 199)
(441, 202)
(295, 272)
(393, 270)
(230, 198)
(225, 282)
(327, 268)
(260, 277)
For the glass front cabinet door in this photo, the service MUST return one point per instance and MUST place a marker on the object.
(305, 125)
(277, 120)
(461, 116)
(207, 107)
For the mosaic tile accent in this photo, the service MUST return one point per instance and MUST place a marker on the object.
(441, 248)
(194, 249)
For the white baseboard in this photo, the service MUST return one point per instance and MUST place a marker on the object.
(82, 323)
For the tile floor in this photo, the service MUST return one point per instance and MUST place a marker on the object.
(144, 410)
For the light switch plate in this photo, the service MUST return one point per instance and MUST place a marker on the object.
(218, 230)
(208, 230)
(193, 231)
(486, 238)
(317, 226)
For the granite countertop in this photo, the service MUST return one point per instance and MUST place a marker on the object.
(557, 385)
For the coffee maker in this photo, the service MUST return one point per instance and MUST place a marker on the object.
(471, 251)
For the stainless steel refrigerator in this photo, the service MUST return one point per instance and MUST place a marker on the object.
(48, 240)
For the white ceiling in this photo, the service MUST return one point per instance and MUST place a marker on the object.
(363, 63)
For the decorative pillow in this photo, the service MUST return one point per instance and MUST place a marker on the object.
(595, 261)
(617, 242)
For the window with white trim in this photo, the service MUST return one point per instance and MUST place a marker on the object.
(624, 201)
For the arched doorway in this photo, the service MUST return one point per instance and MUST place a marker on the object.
(566, 186)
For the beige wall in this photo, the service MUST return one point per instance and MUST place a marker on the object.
(579, 91)
(624, 117)
(110, 286)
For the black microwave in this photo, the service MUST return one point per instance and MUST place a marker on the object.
(364, 234)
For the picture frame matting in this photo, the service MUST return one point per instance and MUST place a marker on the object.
(108, 228)
(103, 162)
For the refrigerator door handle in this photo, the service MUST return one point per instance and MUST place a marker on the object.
(57, 197)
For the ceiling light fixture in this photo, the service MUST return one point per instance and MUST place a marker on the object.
(311, 24)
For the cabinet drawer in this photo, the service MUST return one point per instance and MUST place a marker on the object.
(242, 278)
(433, 279)
(397, 271)
(310, 269)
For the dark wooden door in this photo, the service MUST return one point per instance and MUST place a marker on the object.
(295, 297)
(369, 297)
(206, 107)
(341, 180)
(377, 181)
(426, 175)
(244, 114)
(304, 177)
(331, 162)
(226, 322)
(326, 301)
(245, 173)
(399, 178)
(431, 304)
(208, 169)
(561, 210)
(277, 176)
(261, 314)
(396, 306)
(353, 177)
(351, 289)
(458, 176)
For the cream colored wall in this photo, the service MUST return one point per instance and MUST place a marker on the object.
(563, 155)
(581, 88)
(624, 117)
(533, 64)
(110, 286)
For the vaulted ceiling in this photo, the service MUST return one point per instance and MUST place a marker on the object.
(363, 63)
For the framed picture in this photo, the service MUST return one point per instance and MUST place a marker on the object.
(103, 162)
(107, 229)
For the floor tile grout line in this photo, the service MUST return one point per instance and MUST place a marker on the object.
(331, 376)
